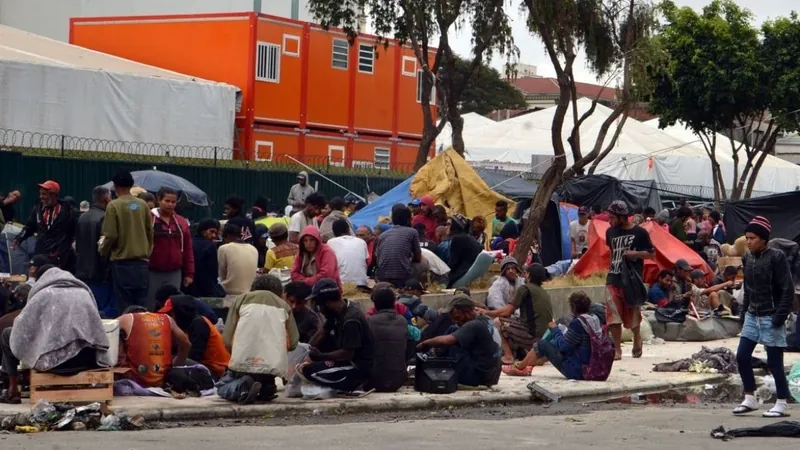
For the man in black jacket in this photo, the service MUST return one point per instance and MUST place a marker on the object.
(92, 268)
(53, 221)
(768, 295)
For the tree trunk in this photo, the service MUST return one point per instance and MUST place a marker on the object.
(424, 150)
(530, 229)
(751, 182)
(457, 129)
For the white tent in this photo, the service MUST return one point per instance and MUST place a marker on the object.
(775, 175)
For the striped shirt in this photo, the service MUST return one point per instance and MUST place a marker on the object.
(395, 252)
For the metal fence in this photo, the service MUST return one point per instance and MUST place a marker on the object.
(78, 164)
(65, 146)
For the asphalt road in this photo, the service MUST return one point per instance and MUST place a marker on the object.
(628, 427)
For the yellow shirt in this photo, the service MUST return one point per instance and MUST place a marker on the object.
(269, 221)
(281, 257)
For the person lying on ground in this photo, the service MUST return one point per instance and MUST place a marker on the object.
(394, 336)
(706, 298)
(343, 352)
(569, 352)
(662, 293)
(308, 321)
(519, 332)
(207, 346)
(474, 344)
(259, 333)
(148, 341)
(502, 290)
(316, 259)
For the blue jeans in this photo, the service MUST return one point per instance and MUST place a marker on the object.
(106, 300)
(232, 385)
(467, 375)
(547, 350)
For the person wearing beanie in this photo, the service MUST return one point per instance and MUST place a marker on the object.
(767, 302)
(630, 245)
(502, 290)
(204, 245)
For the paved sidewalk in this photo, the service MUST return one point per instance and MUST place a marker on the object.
(629, 376)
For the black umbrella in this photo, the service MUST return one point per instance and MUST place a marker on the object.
(153, 180)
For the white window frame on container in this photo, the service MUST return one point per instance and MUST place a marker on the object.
(269, 144)
(366, 58)
(343, 48)
(291, 37)
(336, 148)
(268, 56)
(419, 89)
(388, 156)
(413, 61)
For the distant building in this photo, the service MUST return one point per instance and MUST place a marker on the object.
(788, 148)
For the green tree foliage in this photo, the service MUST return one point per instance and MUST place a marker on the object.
(614, 35)
(485, 90)
(723, 74)
(425, 26)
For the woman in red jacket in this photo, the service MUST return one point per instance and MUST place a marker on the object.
(315, 260)
(172, 259)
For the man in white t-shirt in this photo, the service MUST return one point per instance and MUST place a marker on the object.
(305, 217)
(579, 233)
(351, 254)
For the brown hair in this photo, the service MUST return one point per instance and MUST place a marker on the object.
(580, 303)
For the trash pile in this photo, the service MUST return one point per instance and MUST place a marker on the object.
(45, 416)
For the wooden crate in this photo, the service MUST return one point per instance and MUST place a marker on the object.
(85, 387)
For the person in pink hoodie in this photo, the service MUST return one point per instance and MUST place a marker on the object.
(316, 260)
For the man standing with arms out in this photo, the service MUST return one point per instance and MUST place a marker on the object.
(500, 217)
(579, 233)
(92, 268)
(305, 217)
(299, 193)
(234, 211)
(630, 246)
(427, 217)
(128, 239)
(54, 222)
(172, 259)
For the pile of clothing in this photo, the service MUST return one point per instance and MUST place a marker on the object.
(46, 416)
(707, 360)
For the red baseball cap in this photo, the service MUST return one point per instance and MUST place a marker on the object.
(167, 308)
(427, 200)
(51, 185)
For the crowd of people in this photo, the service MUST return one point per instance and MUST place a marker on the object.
(282, 280)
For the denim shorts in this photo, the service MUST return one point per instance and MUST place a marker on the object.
(759, 330)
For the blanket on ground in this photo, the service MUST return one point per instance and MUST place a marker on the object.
(707, 360)
(59, 320)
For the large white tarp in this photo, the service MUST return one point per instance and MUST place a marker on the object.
(99, 102)
(642, 152)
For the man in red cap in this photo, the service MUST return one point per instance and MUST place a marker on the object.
(426, 217)
(53, 221)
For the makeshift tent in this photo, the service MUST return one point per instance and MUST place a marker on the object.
(780, 209)
(668, 251)
(510, 186)
(775, 175)
(601, 190)
(554, 231)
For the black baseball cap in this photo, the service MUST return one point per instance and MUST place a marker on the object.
(324, 287)
(39, 261)
(697, 273)
(731, 270)
(414, 285)
(583, 210)
(459, 301)
(682, 264)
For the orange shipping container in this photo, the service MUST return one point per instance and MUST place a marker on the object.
(292, 74)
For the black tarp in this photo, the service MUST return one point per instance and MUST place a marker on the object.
(780, 209)
(512, 187)
(601, 190)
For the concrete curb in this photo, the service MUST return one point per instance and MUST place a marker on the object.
(422, 402)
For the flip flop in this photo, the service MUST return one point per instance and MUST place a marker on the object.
(636, 352)
(11, 399)
(775, 414)
(512, 371)
(743, 409)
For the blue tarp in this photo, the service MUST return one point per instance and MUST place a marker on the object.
(383, 205)
(567, 213)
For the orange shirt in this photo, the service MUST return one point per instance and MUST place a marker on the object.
(149, 348)
(216, 356)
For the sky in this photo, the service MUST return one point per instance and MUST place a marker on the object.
(532, 52)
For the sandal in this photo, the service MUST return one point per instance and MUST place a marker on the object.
(774, 414)
(636, 352)
(514, 370)
(744, 409)
(10, 399)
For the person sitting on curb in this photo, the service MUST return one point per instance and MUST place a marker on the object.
(343, 352)
(473, 344)
(519, 332)
(308, 322)
(706, 299)
(316, 260)
(393, 338)
(662, 293)
(259, 333)
(207, 346)
(502, 290)
(569, 352)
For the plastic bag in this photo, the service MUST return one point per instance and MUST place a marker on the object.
(296, 357)
(794, 381)
(315, 392)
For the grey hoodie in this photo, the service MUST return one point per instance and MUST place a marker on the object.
(326, 227)
(298, 194)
